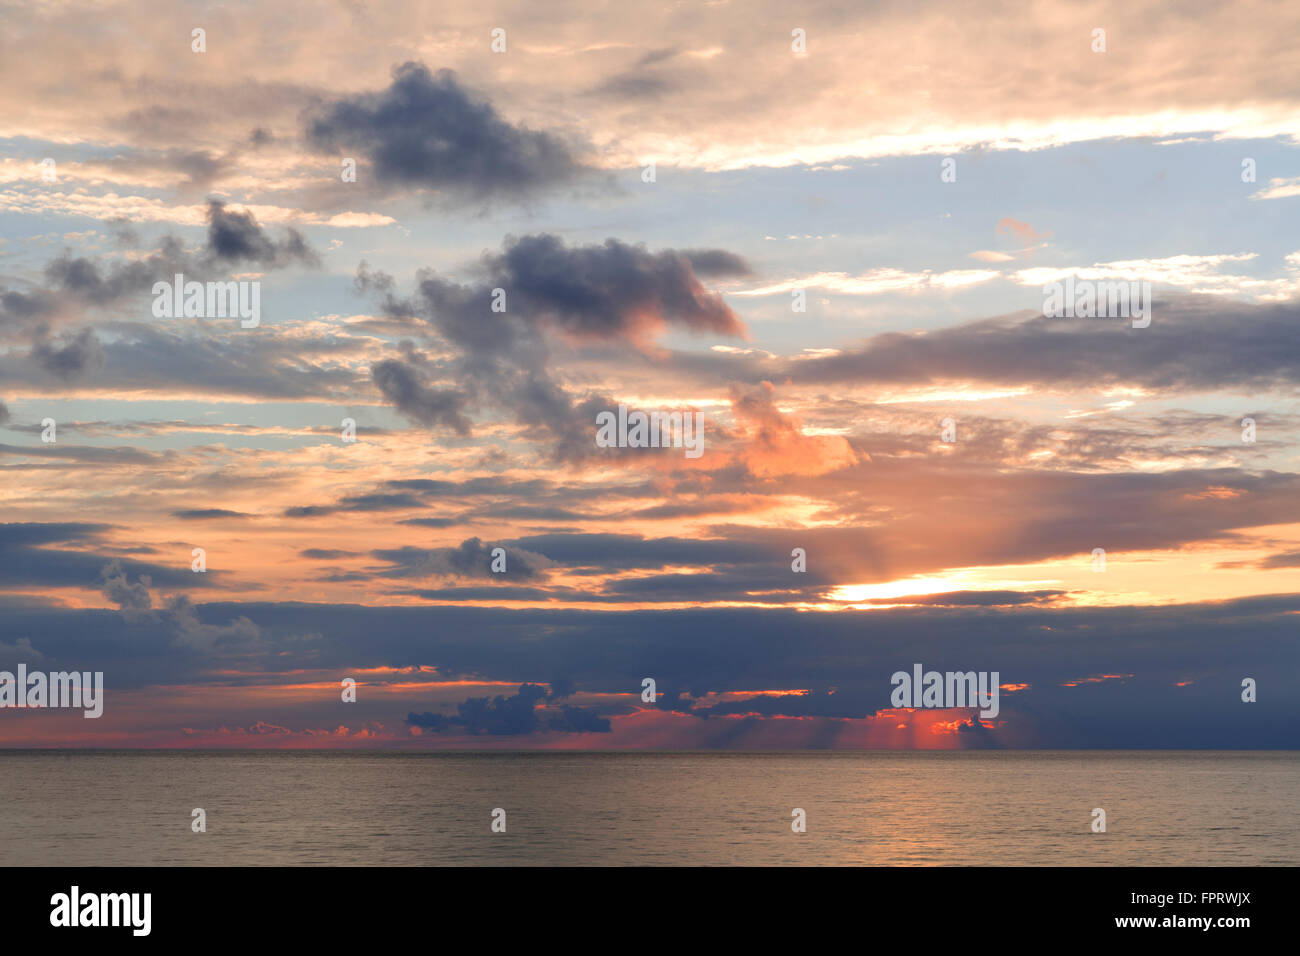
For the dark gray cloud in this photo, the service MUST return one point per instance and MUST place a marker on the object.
(117, 588)
(207, 514)
(176, 613)
(643, 81)
(73, 285)
(235, 238)
(33, 533)
(141, 356)
(610, 291)
(1193, 343)
(27, 558)
(357, 503)
(635, 85)
(309, 511)
(1283, 559)
(83, 455)
(515, 715)
(405, 493)
(25, 313)
(692, 653)
(78, 354)
(472, 487)
(426, 131)
(578, 720)
(400, 384)
(472, 558)
(612, 295)
(500, 592)
(628, 551)
(716, 262)
(432, 522)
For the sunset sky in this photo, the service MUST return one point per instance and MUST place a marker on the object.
(783, 166)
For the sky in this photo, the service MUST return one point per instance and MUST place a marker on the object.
(825, 231)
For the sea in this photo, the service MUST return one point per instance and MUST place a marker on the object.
(332, 808)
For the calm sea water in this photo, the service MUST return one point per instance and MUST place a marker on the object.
(1024, 808)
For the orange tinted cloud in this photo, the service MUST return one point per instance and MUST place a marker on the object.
(775, 443)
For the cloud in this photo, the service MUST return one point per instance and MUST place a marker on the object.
(551, 296)
(206, 514)
(276, 363)
(882, 281)
(1023, 231)
(974, 598)
(1191, 274)
(74, 285)
(234, 237)
(238, 637)
(470, 559)
(1184, 348)
(641, 82)
(426, 131)
(326, 554)
(400, 385)
(612, 290)
(578, 720)
(131, 599)
(422, 492)
(27, 558)
(775, 444)
(1282, 559)
(200, 167)
(702, 114)
(1279, 189)
(716, 262)
(20, 651)
(176, 614)
(515, 715)
(708, 653)
(25, 312)
(81, 354)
